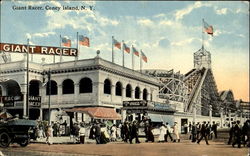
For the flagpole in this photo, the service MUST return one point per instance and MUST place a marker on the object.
(77, 47)
(27, 80)
(133, 57)
(112, 49)
(122, 53)
(202, 31)
(61, 48)
(141, 62)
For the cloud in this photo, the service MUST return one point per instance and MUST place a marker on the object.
(180, 13)
(145, 22)
(183, 42)
(45, 34)
(222, 11)
(166, 22)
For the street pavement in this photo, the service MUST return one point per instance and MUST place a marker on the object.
(184, 148)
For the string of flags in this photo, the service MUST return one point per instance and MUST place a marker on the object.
(118, 44)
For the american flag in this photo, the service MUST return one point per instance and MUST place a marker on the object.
(66, 42)
(126, 48)
(144, 57)
(117, 44)
(84, 40)
(208, 28)
(136, 52)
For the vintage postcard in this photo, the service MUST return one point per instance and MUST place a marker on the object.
(124, 78)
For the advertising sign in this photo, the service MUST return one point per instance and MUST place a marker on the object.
(34, 49)
(9, 101)
(140, 103)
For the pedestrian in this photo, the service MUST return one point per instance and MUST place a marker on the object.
(208, 130)
(168, 134)
(162, 133)
(113, 133)
(150, 133)
(176, 132)
(237, 134)
(194, 132)
(214, 129)
(189, 127)
(203, 133)
(246, 133)
(98, 133)
(82, 132)
(134, 132)
(76, 132)
(49, 135)
(198, 130)
(126, 131)
(231, 133)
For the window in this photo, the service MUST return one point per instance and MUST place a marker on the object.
(145, 94)
(107, 86)
(118, 89)
(53, 88)
(128, 90)
(34, 88)
(85, 85)
(137, 93)
(68, 86)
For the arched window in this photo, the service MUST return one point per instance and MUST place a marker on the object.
(137, 93)
(53, 88)
(34, 88)
(1, 93)
(145, 94)
(128, 90)
(68, 86)
(118, 89)
(85, 85)
(107, 86)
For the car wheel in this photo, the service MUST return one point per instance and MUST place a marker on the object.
(4, 139)
(24, 142)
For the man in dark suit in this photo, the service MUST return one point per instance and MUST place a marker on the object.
(237, 134)
(98, 133)
(134, 133)
(203, 133)
(214, 129)
(231, 133)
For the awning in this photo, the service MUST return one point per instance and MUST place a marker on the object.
(97, 112)
(161, 118)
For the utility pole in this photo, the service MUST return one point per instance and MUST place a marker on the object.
(27, 81)
(49, 83)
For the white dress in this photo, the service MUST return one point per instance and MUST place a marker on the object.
(113, 134)
(162, 133)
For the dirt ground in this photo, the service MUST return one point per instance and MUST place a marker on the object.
(184, 148)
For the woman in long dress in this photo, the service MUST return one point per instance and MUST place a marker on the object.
(162, 133)
(176, 132)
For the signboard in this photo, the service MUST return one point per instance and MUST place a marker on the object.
(9, 101)
(35, 101)
(141, 103)
(33, 49)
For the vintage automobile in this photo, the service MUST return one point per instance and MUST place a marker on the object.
(16, 131)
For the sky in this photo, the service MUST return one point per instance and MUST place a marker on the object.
(168, 32)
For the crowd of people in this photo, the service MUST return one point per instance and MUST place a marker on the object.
(129, 132)
(239, 134)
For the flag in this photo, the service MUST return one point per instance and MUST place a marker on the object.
(84, 41)
(135, 51)
(116, 43)
(66, 42)
(126, 48)
(208, 28)
(144, 57)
